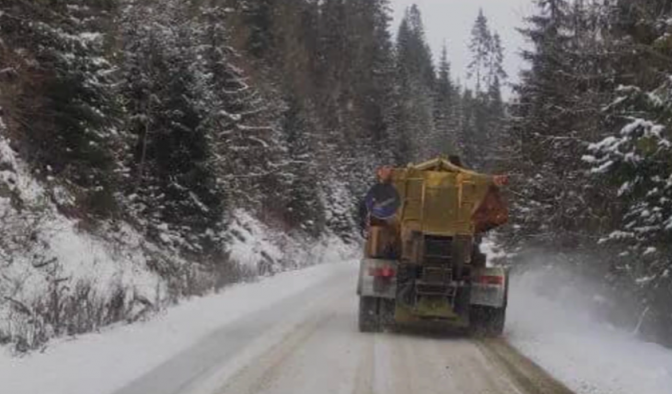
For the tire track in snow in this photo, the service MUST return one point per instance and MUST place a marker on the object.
(260, 375)
(310, 344)
(528, 375)
(364, 377)
(202, 368)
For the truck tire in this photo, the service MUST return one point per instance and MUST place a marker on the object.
(490, 321)
(496, 320)
(476, 320)
(386, 313)
(497, 316)
(487, 321)
(369, 319)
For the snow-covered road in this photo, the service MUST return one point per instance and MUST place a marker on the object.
(309, 343)
(297, 333)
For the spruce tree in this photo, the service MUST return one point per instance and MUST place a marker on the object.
(174, 189)
(67, 110)
(416, 78)
(481, 45)
(540, 129)
(634, 158)
(486, 68)
(444, 122)
(304, 207)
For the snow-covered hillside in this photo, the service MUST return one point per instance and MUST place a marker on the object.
(59, 278)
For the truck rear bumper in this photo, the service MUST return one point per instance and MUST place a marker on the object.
(407, 317)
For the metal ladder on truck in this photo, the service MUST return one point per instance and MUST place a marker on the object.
(436, 277)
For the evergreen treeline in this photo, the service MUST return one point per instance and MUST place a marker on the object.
(170, 114)
(589, 144)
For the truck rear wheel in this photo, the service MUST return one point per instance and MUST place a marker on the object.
(487, 320)
(369, 319)
(386, 313)
(496, 318)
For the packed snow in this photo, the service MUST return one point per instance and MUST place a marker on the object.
(551, 321)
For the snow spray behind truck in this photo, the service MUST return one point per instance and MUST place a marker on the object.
(422, 263)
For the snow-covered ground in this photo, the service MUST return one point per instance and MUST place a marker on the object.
(104, 362)
(215, 336)
(47, 259)
(550, 322)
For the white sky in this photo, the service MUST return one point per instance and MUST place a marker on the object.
(452, 20)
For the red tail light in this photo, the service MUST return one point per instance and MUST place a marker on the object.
(383, 272)
(491, 280)
(500, 180)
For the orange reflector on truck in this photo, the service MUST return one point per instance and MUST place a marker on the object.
(491, 280)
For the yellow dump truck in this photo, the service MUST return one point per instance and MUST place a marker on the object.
(422, 263)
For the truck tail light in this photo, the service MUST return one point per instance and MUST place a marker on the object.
(491, 280)
(382, 272)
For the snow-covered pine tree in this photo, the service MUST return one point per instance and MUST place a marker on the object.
(468, 128)
(173, 190)
(304, 206)
(496, 106)
(445, 126)
(543, 133)
(369, 89)
(481, 46)
(636, 157)
(414, 112)
(372, 73)
(245, 144)
(332, 68)
(66, 111)
(486, 69)
(495, 64)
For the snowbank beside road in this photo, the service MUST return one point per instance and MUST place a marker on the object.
(103, 363)
(549, 321)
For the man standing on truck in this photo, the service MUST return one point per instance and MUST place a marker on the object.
(378, 212)
(381, 202)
